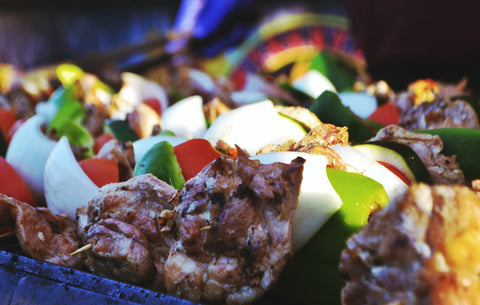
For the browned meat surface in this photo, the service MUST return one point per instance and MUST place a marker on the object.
(421, 249)
(119, 250)
(40, 233)
(122, 153)
(223, 239)
(21, 103)
(440, 114)
(139, 201)
(442, 169)
(125, 224)
(323, 135)
(234, 223)
(317, 141)
(95, 116)
(436, 105)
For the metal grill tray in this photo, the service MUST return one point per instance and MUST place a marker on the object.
(28, 281)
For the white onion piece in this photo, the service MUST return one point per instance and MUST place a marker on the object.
(245, 97)
(252, 90)
(67, 187)
(313, 83)
(28, 152)
(136, 89)
(49, 109)
(253, 126)
(394, 186)
(360, 103)
(140, 147)
(317, 200)
(185, 118)
(202, 80)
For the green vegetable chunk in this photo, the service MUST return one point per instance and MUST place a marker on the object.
(337, 72)
(464, 143)
(330, 109)
(121, 131)
(399, 155)
(3, 145)
(160, 161)
(312, 275)
(79, 136)
(360, 195)
(70, 110)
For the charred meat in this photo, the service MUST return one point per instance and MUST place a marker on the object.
(122, 153)
(421, 249)
(234, 227)
(442, 169)
(42, 234)
(428, 104)
(224, 238)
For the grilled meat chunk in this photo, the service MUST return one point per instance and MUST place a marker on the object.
(440, 114)
(119, 250)
(428, 104)
(139, 201)
(317, 141)
(442, 169)
(21, 103)
(421, 249)
(126, 225)
(234, 223)
(40, 233)
(95, 116)
(223, 239)
(122, 153)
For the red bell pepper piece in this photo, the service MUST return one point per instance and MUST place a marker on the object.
(397, 172)
(100, 141)
(100, 170)
(386, 114)
(193, 155)
(12, 184)
(7, 119)
(154, 104)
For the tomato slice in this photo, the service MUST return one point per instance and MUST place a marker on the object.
(397, 172)
(193, 155)
(100, 170)
(12, 184)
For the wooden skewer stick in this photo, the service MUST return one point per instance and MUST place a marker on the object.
(82, 249)
(6, 234)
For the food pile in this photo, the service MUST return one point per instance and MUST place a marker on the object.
(179, 185)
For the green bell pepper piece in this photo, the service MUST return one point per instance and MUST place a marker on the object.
(160, 161)
(121, 131)
(464, 143)
(330, 109)
(360, 195)
(70, 110)
(312, 275)
(79, 136)
(338, 73)
(166, 133)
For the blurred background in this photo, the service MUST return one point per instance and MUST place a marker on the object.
(401, 40)
(36, 33)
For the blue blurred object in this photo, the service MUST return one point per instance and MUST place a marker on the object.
(209, 27)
